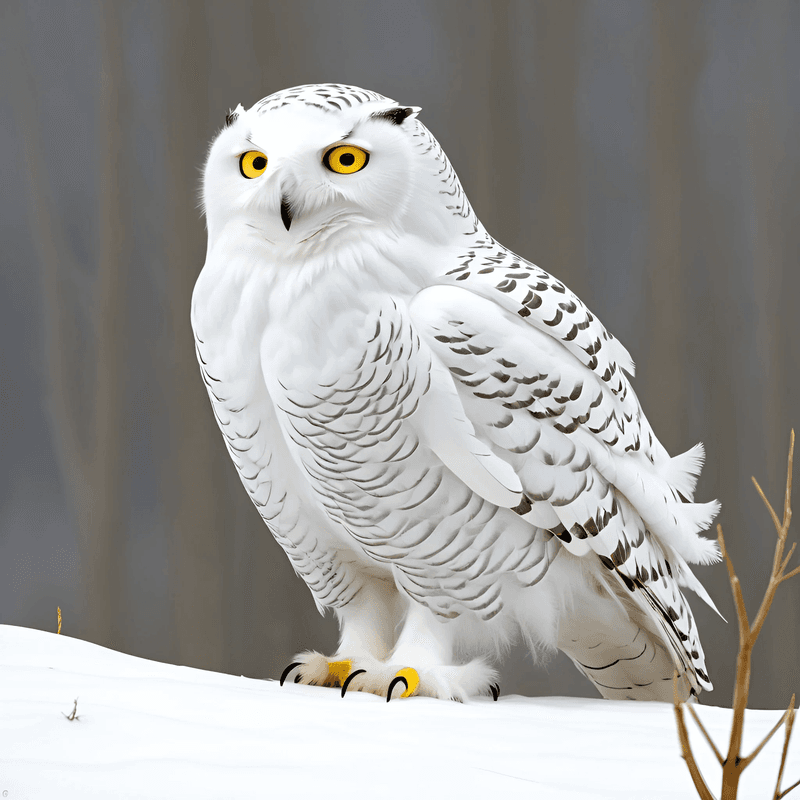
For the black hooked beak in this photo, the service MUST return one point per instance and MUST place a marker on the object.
(286, 213)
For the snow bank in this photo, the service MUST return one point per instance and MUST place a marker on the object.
(151, 730)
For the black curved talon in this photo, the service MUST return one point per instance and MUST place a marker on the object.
(398, 679)
(495, 690)
(349, 678)
(288, 670)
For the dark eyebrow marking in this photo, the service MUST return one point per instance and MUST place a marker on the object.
(394, 115)
(230, 118)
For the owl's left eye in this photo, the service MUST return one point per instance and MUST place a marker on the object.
(345, 159)
(252, 164)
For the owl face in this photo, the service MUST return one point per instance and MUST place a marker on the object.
(305, 174)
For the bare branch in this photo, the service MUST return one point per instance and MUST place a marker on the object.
(733, 765)
(789, 723)
(795, 571)
(747, 759)
(704, 732)
(766, 604)
(778, 565)
(786, 791)
(786, 560)
(775, 520)
(741, 610)
(686, 750)
(787, 500)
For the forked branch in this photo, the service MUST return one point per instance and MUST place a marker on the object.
(733, 764)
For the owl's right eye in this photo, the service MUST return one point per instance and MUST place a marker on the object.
(252, 164)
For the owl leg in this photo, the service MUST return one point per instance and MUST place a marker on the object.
(367, 626)
(422, 664)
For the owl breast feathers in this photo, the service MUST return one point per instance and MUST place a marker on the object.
(440, 435)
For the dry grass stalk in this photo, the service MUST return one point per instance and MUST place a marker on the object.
(59, 619)
(74, 715)
(733, 764)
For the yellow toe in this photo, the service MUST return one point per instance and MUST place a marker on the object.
(411, 677)
(338, 672)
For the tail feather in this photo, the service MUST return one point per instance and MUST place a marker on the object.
(626, 648)
(645, 579)
(682, 471)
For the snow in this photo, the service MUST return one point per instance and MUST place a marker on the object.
(152, 730)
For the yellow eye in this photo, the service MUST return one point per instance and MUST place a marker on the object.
(345, 159)
(252, 164)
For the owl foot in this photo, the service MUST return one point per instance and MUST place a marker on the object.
(365, 674)
(409, 678)
(315, 669)
(443, 682)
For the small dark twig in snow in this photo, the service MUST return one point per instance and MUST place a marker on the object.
(73, 716)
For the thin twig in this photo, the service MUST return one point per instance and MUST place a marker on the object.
(704, 732)
(795, 571)
(788, 558)
(741, 610)
(747, 759)
(787, 499)
(788, 733)
(778, 524)
(786, 791)
(73, 716)
(688, 756)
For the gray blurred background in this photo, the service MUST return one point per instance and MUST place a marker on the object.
(646, 153)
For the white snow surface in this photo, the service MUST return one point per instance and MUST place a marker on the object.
(152, 730)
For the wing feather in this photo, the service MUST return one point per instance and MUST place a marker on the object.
(591, 470)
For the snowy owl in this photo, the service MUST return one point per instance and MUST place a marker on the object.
(440, 434)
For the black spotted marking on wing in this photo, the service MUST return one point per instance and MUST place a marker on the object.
(572, 426)
(547, 304)
(561, 533)
(644, 570)
(578, 531)
(546, 398)
(524, 507)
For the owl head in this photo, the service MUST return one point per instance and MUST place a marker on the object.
(318, 165)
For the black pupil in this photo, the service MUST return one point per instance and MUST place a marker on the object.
(259, 162)
(347, 159)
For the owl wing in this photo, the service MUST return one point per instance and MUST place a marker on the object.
(542, 384)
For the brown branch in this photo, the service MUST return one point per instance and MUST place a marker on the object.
(705, 733)
(788, 558)
(782, 529)
(733, 765)
(686, 749)
(775, 520)
(795, 571)
(786, 791)
(789, 724)
(787, 498)
(736, 588)
(747, 759)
